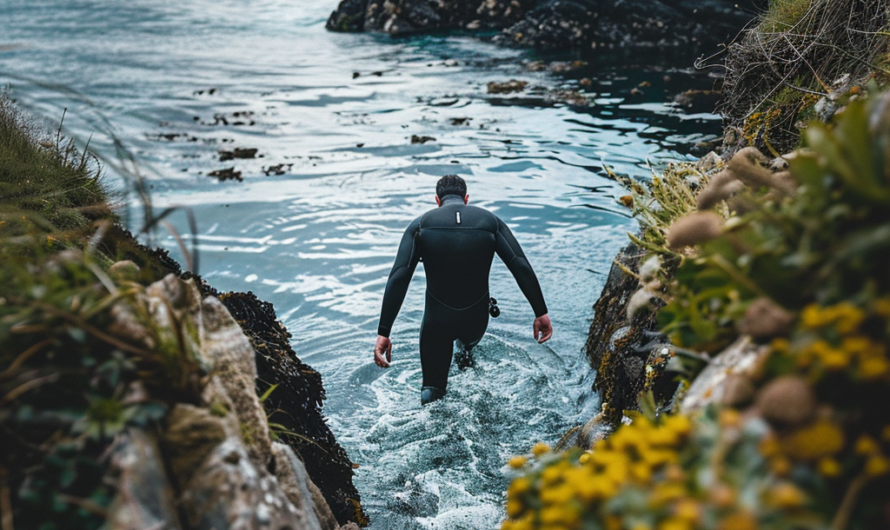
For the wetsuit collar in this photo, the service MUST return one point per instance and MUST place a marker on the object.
(451, 197)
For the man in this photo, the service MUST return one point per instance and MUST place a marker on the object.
(456, 243)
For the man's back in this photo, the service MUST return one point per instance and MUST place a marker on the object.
(456, 243)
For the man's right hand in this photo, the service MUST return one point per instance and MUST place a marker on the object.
(384, 347)
(543, 329)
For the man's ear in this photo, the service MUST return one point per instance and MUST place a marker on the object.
(466, 198)
(438, 201)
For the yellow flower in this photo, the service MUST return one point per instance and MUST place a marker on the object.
(584, 458)
(848, 317)
(882, 307)
(514, 508)
(666, 492)
(525, 523)
(730, 418)
(829, 467)
(675, 523)
(540, 448)
(557, 495)
(874, 368)
(780, 466)
(517, 462)
(641, 472)
(688, 510)
(885, 433)
(738, 521)
(786, 496)
(680, 425)
(812, 317)
(551, 475)
(558, 514)
(866, 445)
(613, 522)
(856, 345)
(819, 439)
(877, 465)
(770, 447)
(835, 360)
(780, 345)
(519, 486)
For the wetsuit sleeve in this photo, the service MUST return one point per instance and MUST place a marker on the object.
(399, 278)
(510, 252)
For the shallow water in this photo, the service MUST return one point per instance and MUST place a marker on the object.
(318, 239)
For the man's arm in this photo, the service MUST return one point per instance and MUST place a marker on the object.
(399, 278)
(510, 252)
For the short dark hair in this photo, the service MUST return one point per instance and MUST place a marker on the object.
(451, 185)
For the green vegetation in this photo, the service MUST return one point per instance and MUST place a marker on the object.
(69, 384)
(794, 260)
(804, 59)
(52, 184)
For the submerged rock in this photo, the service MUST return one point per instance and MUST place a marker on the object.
(557, 24)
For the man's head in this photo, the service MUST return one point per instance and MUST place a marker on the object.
(451, 185)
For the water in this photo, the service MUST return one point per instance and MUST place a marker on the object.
(318, 239)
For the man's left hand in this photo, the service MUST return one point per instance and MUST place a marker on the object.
(383, 347)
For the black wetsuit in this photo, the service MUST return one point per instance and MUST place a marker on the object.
(456, 243)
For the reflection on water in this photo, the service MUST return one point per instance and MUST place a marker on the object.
(314, 224)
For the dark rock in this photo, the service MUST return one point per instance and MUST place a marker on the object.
(277, 170)
(226, 174)
(558, 24)
(295, 405)
(507, 87)
(238, 152)
(415, 139)
(617, 347)
(696, 101)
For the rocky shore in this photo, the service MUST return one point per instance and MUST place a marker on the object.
(584, 26)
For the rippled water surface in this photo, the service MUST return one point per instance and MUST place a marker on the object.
(159, 88)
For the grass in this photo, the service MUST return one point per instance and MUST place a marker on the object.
(45, 180)
(783, 15)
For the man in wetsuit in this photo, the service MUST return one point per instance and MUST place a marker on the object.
(456, 243)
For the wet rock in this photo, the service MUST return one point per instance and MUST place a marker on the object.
(226, 174)
(557, 24)
(144, 494)
(238, 152)
(302, 492)
(296, 404)
(507, 87)
(415, 139)
(617, 345)
(277, 170)
(192, 433)
(697, 101)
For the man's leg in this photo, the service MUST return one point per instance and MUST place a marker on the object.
(435, 351)
(472, 326)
